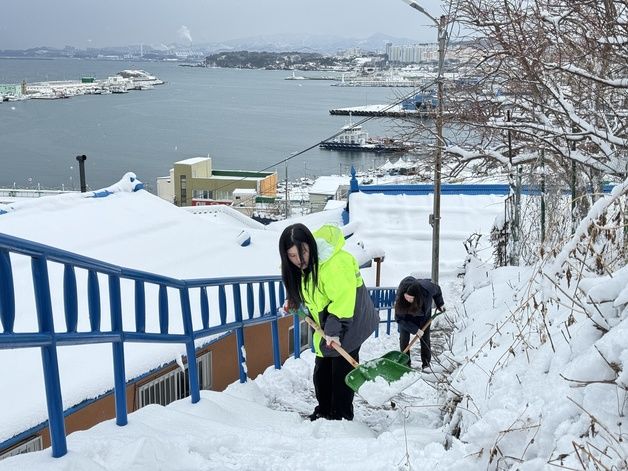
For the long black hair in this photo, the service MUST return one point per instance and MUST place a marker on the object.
(404, 307)
(297, 235)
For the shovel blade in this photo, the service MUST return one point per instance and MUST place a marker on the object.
(398, 357)
(371, 370)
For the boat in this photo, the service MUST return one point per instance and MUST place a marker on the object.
(353, 138)
(294, 77)
(138, 76)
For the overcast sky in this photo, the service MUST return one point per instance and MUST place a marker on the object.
(78, 23)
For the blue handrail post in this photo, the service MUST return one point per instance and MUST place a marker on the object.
(118, 350)
(70, 299)
(140, 307)
(7, 293)
(49, 358)
(376, 297)
(353, 183)
(93, 300)
(237, 305)
(274, 325)
(296, 334)
(189, 345)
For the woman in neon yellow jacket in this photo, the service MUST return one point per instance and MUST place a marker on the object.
(318, 273)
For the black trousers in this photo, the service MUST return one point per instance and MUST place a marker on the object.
(335, 398)
(426, 347)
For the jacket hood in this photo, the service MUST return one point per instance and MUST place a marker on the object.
(329, 241)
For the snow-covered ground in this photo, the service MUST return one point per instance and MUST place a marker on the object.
(532, 376)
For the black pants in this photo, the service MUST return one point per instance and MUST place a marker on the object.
(335, 398)
(426, 348)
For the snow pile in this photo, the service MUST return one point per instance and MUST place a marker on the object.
(398, 226)
(258, 425)
(379, 391)
(534, 376)
(540, 364)
(128, 183)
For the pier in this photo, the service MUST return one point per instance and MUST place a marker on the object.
(123, 82)
(389, 111)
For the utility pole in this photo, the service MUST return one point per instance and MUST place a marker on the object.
(515, 183)
(441, 24)
(442, 38)
(287, 201)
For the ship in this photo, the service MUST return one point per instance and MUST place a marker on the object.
(140, 77)
(353, 138)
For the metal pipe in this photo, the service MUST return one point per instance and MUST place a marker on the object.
(81, 160)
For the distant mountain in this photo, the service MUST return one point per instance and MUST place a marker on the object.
(306, 43)
(323, 44)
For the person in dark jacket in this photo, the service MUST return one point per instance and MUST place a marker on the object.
(318, 273)
(413, 309)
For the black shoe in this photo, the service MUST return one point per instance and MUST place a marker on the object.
(348, 417)
(317, 414)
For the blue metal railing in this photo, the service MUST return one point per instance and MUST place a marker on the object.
(262, 297)
(498, 189)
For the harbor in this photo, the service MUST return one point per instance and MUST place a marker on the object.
(147, 132)
(382, 111)
(123, 82)
(419, 105)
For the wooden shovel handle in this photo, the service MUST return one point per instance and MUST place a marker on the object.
(417, 336)
(337, 347)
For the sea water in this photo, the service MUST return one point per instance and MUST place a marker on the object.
(243, 119)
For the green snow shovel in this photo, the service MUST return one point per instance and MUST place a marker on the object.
(403, 358)
(368, 371)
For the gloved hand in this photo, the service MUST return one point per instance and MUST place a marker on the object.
(287, 308)
(331, 340)
(441, 309)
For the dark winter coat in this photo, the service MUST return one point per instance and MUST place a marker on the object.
(428, 292)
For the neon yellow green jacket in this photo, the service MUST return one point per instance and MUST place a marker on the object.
(338, 297)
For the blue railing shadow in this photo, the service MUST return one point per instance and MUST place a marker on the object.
(238, 302)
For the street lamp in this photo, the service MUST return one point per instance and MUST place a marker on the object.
(441, 24)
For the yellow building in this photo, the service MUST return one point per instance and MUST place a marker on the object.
(193, 180)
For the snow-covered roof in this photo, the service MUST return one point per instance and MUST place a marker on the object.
(328, 185)
(387, 166)
(223, 214)
(192, 160)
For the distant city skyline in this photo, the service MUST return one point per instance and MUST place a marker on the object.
(156, 23)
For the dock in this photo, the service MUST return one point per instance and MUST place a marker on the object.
(123, 82)
(389, 111)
